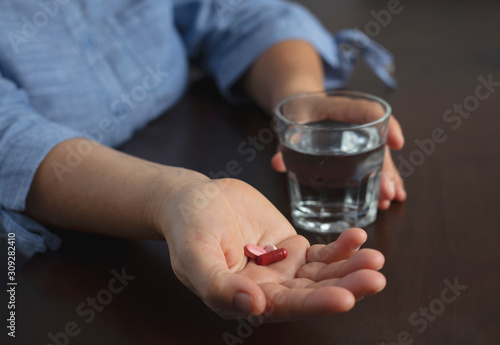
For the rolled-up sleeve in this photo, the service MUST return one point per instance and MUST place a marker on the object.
(226, 36)
(26, 138)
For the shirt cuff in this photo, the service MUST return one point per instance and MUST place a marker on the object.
(30, 237)
(23, 146)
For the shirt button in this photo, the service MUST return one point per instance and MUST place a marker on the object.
(121, 110)
(87, 42)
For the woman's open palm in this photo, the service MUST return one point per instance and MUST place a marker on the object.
(211, 221)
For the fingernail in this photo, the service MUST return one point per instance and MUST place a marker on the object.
(243, 302)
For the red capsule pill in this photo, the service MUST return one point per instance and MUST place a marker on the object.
(272, 257)
(253, 251)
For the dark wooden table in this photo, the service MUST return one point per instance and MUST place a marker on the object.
(441, 246)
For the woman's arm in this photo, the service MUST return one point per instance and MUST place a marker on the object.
(286, 69)
(108, 192)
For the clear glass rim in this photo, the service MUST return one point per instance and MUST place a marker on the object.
(388, 109)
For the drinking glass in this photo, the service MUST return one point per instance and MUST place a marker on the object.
(333, 145)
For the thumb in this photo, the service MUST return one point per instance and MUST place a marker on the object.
(205, 271)
(231, 295)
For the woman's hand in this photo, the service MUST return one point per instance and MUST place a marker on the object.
(207, 223)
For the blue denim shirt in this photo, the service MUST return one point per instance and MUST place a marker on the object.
(103, 69)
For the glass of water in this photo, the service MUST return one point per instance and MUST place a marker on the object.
(333, 145)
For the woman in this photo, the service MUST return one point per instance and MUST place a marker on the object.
(79, 77)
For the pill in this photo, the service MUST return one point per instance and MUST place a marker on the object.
(270, 248)
(253, 251)
(272, 257)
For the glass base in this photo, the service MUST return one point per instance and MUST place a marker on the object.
(331, 218)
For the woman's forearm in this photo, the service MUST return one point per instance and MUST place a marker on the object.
(107, 192)
(283, 70)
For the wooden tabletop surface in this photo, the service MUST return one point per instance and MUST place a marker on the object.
(441, 245)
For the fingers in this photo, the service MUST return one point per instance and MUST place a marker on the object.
(360, 283)
(395, 138)
(364, 259)
(302, 297)
(277, 162)
(322, 298)
(289, 304)
(362, 111)
(344, 247)
(391, 183)
(345, 109)
(387, 191)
